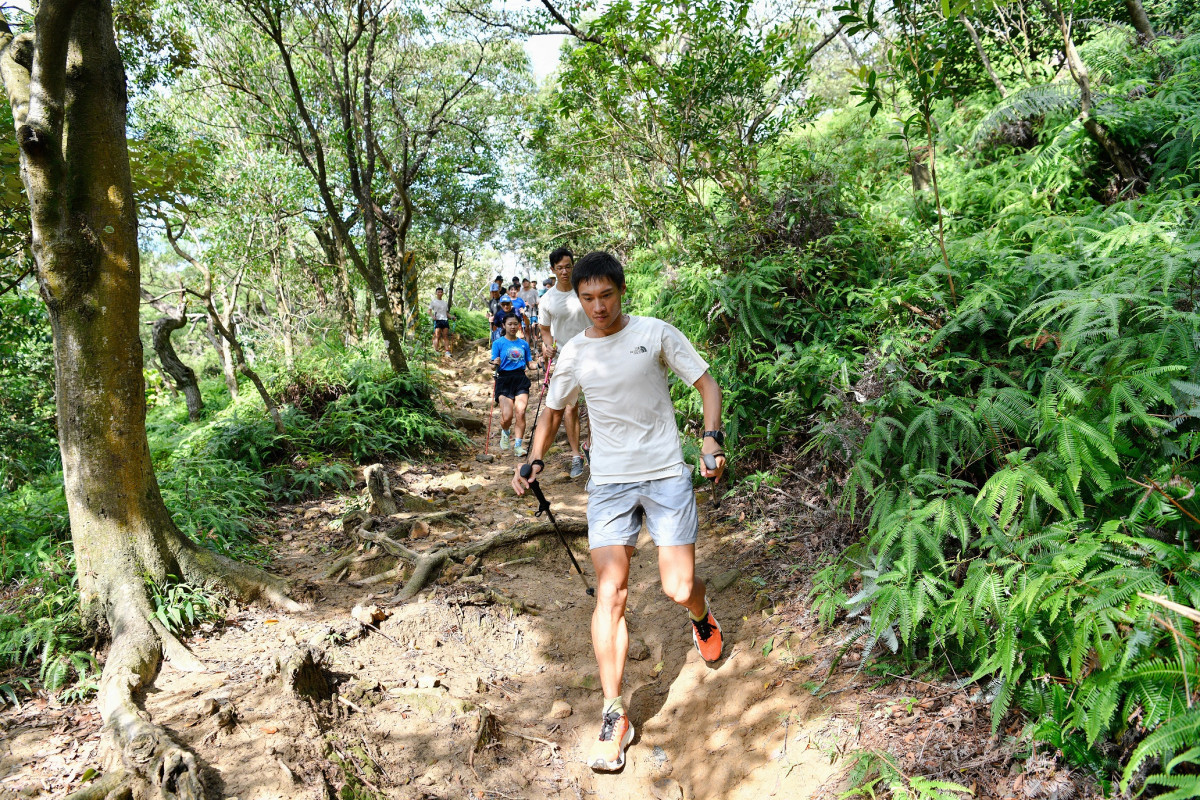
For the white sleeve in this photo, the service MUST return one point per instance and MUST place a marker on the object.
(545, 316)
(681, 356)
(564, 387)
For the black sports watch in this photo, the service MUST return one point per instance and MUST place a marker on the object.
(718, 436)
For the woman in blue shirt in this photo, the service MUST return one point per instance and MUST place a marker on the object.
(511, 356)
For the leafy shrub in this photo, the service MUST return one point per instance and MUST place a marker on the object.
(470, 324)
(1028, 477)
(180, 607)
(27, 403)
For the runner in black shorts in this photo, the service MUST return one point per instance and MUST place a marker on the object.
(511, 356)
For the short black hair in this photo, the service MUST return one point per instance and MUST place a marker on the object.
(559, 253)
(597, 265)
(440, 289)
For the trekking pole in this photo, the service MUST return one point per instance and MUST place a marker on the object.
(544, 505)
(710, 462)
(545, 382)
(491, 404)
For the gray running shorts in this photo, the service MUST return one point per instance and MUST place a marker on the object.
(615, 511)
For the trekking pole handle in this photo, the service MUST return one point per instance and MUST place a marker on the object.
(527, 473)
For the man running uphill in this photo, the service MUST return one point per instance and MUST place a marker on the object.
(638, 471)
(511, 356)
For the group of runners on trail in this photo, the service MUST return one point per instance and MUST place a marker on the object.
(619, 363)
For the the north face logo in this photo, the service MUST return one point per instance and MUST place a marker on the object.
(637, 350)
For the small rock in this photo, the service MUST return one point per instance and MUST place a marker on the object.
(461, 489)
(587, 682)
(420, 530)
(638, 650)
(724, 580)
(485, 458)
(428, 682)
(667, 789)
(658, 756)
(561, 709)
(208, 707)
(287, 537)
(369, 615)
(312, 513)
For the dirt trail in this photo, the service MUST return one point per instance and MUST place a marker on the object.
(741, 728)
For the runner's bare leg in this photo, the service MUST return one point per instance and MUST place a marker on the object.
(677, 569)
(610, 635)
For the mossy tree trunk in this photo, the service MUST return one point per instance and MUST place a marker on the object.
(66, 85)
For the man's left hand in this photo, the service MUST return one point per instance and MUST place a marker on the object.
(711, 448)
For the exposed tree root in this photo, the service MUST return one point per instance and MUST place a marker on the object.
(142, 756)
(426, 566)
(110, 787)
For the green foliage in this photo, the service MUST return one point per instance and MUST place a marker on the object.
(180, 607)
(470, 325)
(39, 617)
(874, 773)
(1028, 477)
(27, 403)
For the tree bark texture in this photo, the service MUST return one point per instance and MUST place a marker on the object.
(1137, 15)
(66, 86)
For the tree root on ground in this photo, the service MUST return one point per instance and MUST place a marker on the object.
(141, 758)
(426, 566)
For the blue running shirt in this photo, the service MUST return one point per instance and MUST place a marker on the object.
(513, 353)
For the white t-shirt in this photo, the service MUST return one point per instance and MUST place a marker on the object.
(624, 376)
(563, 312)
(439, 308)
(530, 296)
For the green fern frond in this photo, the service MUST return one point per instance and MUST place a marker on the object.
(1030, 102)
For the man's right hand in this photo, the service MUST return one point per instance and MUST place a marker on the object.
(521, 485)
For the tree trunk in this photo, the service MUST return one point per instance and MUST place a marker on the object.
(66, 86)
(343, 288)
(237, 355)
(453, 278)
(412, 303)
(1095, 129)
(183, 375)
(282, 306)
(1137, 14)
(223, 356)
(983, 56)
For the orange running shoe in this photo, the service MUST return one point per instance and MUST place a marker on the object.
(608, 753)
(707, 635)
